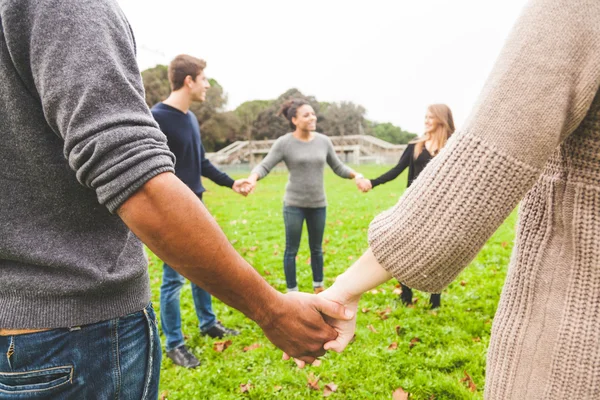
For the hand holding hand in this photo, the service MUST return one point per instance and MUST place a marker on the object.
(299, 328)
(243, 187)
(364, 185)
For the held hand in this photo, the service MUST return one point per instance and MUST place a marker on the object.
(344, 327)
(299, 328)
(243, 187)
(364, 185)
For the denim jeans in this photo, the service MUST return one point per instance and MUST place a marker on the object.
(170, 312)
(293, 218)
(114, 359)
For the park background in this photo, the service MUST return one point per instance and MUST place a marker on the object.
(368, 68)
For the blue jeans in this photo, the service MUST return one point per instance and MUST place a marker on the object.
(293, 218)
(114, 359)
(170, 313)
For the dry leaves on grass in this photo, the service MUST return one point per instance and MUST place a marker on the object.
(329, 389)
(400, 394)
(313, 382)
(385, 313)
(245, 387)
(397, 291)
(277, 388)
(463, 283)
(253, 346)
(163, 395)
(365, 310)
(393, 346)
(413, 342)
(219, 347)
(469, 381)
(267, 272)
(372, 329)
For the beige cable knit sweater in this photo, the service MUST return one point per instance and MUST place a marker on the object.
(534, 135)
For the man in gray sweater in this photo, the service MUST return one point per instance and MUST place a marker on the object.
(87, 177)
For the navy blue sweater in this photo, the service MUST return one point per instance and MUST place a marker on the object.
(184, 140)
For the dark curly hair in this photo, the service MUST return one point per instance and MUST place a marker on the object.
(289, 109)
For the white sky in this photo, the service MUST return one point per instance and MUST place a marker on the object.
(394, 57)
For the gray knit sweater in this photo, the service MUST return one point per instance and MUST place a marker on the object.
(306, 163)
(534, 135)
(76, 140)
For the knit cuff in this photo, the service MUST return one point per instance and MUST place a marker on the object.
(449, 212)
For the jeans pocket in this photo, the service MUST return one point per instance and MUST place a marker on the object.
(41, 381)
(154, 356)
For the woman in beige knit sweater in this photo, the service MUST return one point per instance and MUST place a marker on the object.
(534, 137)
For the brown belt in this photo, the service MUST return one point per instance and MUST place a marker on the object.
(11, 332)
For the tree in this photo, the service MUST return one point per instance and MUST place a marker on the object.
(391, 133)
(156, 84)
(342, 119)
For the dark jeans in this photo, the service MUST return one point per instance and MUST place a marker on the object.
(114, 359)
(293, 218)
(170, 312)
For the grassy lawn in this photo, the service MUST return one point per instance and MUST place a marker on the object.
(427, 353)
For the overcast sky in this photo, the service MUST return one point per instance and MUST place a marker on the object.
(394, 57)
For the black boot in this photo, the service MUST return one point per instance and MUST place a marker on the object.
(406, 295)
(435, 300)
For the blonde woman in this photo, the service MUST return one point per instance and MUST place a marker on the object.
(439, 126)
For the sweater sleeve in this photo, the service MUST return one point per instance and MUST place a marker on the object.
(213, 173)
(539, 91)
(334, 161)
(78, 58)
(393, 173)
(274, 157)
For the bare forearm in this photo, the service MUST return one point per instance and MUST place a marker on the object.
(363, 275)
(176, 226)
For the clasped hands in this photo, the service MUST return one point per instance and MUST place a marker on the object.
(338, 309)
(243, 186)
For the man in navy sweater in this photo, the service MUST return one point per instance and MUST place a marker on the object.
(180, 125)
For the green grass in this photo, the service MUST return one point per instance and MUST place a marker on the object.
(452, 340)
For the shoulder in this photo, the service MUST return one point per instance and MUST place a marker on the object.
(320, 137)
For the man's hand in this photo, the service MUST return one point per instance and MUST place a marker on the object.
(364, 185)
(299, 327)
(344, 327)
(243, 187)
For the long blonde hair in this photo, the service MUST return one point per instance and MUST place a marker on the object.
(440, 136)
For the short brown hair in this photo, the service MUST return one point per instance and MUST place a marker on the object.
(182, 66)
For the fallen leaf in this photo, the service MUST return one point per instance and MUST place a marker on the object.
(469, 382)
(163, 395)
(275, 253)
(313, 382)
(234, 241)
(253, 346)
(399, 330)
(267, 272)
(245, 387)
(365, 310)
(504, 244)
(399, 394)
(327, 240)
(463, 283)
(308, 261)
(221, 346)
(253, 248)
(476, 339)
(275, 246)
(374, 291)
(413, 342)
(329, 389)
(393, 346)
(397, 291)
(385, 313)
(372, 329)
(350, 257)
(432, 397)
(244, 222)
(277, 388)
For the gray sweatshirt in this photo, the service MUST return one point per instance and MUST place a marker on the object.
(77, 140)
(306, 163)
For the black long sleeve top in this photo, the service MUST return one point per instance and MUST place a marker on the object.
(407, 160)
